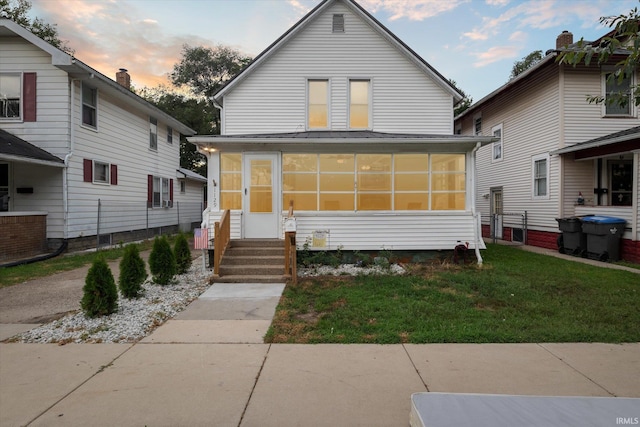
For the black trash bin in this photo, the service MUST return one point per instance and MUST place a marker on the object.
(572, 241)
(603, 236)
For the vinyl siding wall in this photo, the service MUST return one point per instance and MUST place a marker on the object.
(273, 98)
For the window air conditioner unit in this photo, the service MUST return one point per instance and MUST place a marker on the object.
(166, 203)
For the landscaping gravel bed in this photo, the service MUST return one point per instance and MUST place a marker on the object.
(135, 318)
(350, 270)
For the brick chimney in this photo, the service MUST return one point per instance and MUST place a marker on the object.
(123, 78)
(564, 39)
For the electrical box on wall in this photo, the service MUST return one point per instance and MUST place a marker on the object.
(24, 190)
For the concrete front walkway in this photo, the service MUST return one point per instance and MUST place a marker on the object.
(209, 367)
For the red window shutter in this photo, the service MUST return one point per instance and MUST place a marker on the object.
(150, 191)
(114, 174)
(88, 170)
(29, 95)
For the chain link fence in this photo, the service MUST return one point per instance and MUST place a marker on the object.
(119, 222)
(510, 226)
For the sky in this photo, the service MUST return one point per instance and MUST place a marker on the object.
(473, 42)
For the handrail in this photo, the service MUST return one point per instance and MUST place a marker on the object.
(290, 251)
(222, 236)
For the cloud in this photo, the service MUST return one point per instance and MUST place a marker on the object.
(414, 10)
(494, 54)
(518, 37)
(499, 3)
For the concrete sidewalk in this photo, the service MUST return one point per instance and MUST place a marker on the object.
(208, 366)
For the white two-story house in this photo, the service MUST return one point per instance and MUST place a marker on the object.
(341, 118)
(83, 159)
(557, 155)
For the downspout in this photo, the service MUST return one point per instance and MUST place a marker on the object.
(477, 227)
(67, 159)
(635, 203)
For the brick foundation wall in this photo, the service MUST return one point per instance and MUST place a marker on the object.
(630, 251)
(22, 236)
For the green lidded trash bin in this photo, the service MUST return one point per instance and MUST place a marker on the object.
(572, 241)
(603, 236)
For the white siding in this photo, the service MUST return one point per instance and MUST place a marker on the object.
(190, 204)
(273, 98)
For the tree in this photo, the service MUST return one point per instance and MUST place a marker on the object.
(132, 272)
(100, 295)
(17, 10)
(525, 63)
(162, 262)
(621, 46)
(182, 253)
(464, 103)
(204, 70)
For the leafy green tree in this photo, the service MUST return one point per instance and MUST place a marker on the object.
(17, 11)
(619, 48)
(162, 262)
(462, 105)
(100, 296)
(132, 272)
(182, 253)
(525, 63)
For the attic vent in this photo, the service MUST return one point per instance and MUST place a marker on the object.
(338, 24)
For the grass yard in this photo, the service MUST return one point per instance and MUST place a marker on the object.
(517, 296)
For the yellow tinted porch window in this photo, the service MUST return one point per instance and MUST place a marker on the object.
(448, 181)
(231, 181)
(374, 182)
(411, 181)
(300, 181)
(336, 182)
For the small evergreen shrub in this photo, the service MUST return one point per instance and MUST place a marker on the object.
(162, 262)
(100, 293)
(133, 272)
(182, 253)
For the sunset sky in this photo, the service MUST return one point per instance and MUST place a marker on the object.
(474, 42)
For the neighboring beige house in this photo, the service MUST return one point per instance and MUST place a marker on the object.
(343, 119)
(75, 145)
(557, 155)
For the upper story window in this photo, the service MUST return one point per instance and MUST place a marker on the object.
(169, 134)
(153, 133)
(318, 104)
(89, 106)
(10, 96)
(540, 176)
(477, 125)
(359, 104)
(496, 150)
(618, 100)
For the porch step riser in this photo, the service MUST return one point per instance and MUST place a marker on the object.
(267, 243)
(253, 252)
(251, 279)
(253, 260)
(251, 270)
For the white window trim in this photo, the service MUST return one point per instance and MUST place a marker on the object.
(369, 100)
(534, 159)
(21, 92)
(475, 118)
(169, 135)
(183, 187)
(82, 123)
(93, 172)
(162, 204)
(151, 119)
(306, 107)
(500, 143)
(632, 107)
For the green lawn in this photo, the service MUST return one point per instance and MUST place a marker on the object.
(516, 296)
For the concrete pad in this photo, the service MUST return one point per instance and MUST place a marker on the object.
(333, 385)
(7, 330)
(165, 385)
(210, 331)
(230, 309)
(615, 367)
(35, 376)
(526, 369)
(244, 290)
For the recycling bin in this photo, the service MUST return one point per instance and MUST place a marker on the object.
(572, 241)
(603, 236)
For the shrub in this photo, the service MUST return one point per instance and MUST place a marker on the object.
(100, 293)
(182, 253)
(162, 262)
(133, 272)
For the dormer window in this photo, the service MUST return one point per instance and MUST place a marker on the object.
(338, 23)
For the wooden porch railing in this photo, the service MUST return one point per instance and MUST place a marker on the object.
(222, 236)
(290, 260)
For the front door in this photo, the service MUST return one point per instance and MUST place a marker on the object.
(261, 196)
(496, 213)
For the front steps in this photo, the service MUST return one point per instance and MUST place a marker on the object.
(253, 261)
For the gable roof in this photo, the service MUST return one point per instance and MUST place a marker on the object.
(189, 174)
(15, 148)
(82, 71)
(367, 17)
